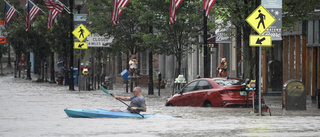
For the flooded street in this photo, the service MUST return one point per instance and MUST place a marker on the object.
(31, 109)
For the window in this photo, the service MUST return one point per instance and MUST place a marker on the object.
(229, 82)
(190, 87)
(203, 85)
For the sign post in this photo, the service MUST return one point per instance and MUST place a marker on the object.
(260, 20)
(81, 33)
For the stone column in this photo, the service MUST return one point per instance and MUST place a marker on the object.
(162, 65)
(170, 67)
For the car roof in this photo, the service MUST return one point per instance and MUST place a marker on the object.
(213, 78)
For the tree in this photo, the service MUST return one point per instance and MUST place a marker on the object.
(134, 32)
(39, 40)
(16, 31)
(237, 11)
(123, 33)
(176, 39)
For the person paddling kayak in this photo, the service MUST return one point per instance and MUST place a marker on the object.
(137, 103)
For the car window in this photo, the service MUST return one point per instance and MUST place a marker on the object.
(203, 85)
(229, 82)
(190, 87)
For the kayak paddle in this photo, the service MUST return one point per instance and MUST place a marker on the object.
(106, 91)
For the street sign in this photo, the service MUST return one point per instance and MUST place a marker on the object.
(81, 32)
(260, 19)
(275, 8)
(3, 40)
(3, 34)
(95, 40)
(80, 45)
(80, 17)
(260, 40)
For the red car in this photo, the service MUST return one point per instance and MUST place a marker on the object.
(212, 92)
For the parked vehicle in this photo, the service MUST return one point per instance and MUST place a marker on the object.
(213, 92)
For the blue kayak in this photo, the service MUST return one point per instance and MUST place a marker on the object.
(102, 113)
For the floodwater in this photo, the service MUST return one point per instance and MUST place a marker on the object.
(31, 109)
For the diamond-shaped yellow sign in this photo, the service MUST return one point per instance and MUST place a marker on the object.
(80, 45)
(81, 32)
(260, 19)
(260, 40)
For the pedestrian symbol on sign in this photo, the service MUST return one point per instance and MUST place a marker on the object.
(262, 17)
(81, 32)
(260, 20)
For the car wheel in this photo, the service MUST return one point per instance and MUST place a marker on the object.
(169, 104)
(207, 104)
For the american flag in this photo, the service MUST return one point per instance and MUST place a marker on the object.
(207, 5)
(117, 10)
(55, 8)
(32, 11)
(173, 7)
(9, 12)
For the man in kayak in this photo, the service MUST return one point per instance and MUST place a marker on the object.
(138, 102)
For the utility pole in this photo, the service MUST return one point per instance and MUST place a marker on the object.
(52, 78)
(206, 61)
(71, 84)
(150, 83)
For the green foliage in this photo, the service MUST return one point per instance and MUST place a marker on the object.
(139, 20)
(143, 24)
(297, 11)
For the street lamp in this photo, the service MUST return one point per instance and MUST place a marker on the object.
(78, 4)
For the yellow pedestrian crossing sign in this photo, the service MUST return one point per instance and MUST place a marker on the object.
(260, 40)
(81, 32)
(260, 19)
(80, 45)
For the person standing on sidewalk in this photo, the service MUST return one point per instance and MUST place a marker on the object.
(222, 68)
(137, 103)
(133, 66)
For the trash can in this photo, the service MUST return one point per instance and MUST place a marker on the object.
(75, 76)
(294, 95)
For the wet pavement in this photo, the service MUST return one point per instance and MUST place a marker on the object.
(32, 109)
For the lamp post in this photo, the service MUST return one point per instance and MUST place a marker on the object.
(71, 84)
(150, 83)
(52, 78)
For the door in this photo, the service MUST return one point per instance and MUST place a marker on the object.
(184, 98)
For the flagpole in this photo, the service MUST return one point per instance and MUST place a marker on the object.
(37, 6)
(11, 7)
(66, 8)
(28, 53)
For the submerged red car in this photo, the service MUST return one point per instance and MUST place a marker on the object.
(213, 92)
